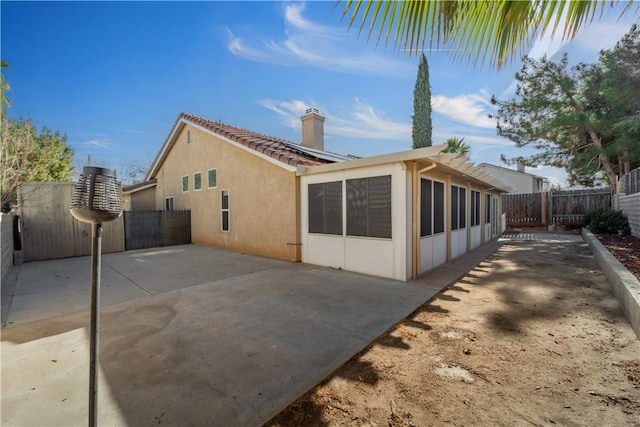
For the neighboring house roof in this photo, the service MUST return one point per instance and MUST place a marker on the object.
(432, 155)
(285, 152)
(128, 189)
(482, 165)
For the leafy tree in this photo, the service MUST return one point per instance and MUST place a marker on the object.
(457, 145)
(421, 129)
(581, 117)
(4, 87)
(620, 89)
(476, 30)
(26, 155)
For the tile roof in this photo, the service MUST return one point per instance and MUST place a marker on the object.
(279, 149)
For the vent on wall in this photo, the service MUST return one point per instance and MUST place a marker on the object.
(188, 137)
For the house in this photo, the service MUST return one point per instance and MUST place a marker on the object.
(519, 180)
(144, 199)
(395, 215)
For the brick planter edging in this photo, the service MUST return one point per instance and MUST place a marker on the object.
(625, 286)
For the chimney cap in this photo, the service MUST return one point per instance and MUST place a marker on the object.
(312, 111)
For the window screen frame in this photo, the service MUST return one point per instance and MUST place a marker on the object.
(426, 207)
(475, 208)
(487, 208)
(224, 211)
(168, 203)
(439, 215)
(195, 181)
(454, 208)
(215, 170)
(462, 208)
(323, 217)
(185, 183)
(369, 210)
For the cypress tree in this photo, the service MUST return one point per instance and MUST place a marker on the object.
(421, 128)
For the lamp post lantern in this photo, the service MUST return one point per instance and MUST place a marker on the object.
(97, 198)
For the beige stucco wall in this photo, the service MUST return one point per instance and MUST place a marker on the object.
(520, 182)
(263, 198)
(143, 200)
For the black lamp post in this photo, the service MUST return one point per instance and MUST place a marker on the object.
(97, 198)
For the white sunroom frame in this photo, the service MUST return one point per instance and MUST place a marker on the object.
(404, 256)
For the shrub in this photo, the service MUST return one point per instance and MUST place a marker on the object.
(608, 221)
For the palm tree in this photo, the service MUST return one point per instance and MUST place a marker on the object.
(456, 145)
(473, 29)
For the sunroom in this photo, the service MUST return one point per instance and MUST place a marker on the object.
(397, 215)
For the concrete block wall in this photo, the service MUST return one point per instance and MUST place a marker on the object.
(629, 204)
(6, 247)
(625, 286)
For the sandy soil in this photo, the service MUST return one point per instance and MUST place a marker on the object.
(532, 336)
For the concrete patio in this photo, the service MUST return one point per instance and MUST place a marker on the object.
(192, 335)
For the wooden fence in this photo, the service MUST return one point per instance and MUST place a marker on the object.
(49, 231)
(151, 229)
(557, 208)
(525, 210)
(630, 182)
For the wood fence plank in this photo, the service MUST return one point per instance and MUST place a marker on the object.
(562, 207)
(49, 231)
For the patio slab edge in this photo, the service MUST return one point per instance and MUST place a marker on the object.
(625, 286)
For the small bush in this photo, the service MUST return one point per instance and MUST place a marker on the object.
(607, 221)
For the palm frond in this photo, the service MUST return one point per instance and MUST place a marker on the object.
(476, 30)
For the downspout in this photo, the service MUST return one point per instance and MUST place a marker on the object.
(416, 213)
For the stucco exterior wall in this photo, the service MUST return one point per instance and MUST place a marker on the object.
(143, 200)
(520, 182)
(6, 247)
(630, 206)
(262, 196)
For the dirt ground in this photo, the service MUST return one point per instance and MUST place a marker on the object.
(626, 249)
(532, 336)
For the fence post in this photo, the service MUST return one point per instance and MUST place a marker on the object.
(550, 211)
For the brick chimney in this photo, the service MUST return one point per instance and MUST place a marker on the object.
(520, 164)
(313, 129)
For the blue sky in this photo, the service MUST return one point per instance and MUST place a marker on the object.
(114, 76)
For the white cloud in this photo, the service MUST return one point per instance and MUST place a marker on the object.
(601, 35)
(97, 143)
(311, 44)
(363, 121)
(471, 109)
(473, 140)
(590, 38)
(289, 111)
